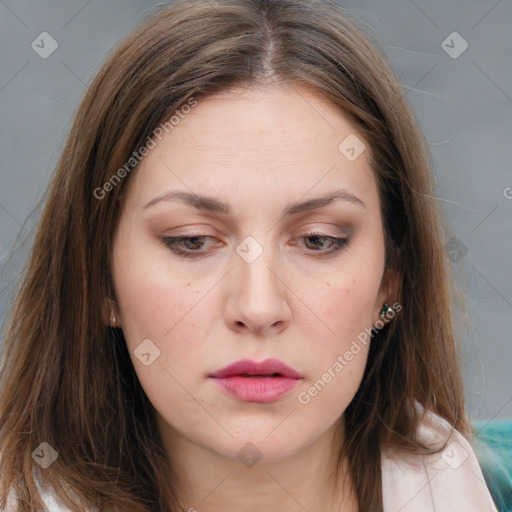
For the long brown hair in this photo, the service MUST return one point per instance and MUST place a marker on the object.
(67, 378)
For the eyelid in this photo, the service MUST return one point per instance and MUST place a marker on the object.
(327, 230)
(192, 231)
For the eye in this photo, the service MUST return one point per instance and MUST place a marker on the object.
(317, 242)
(187, 246)
(193, 246)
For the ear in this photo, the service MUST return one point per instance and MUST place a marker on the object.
(110, 311)
(388, 293)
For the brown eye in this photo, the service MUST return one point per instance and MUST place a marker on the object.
(316, 242)
(185, 245)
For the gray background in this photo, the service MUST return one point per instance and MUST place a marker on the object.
(464, 105)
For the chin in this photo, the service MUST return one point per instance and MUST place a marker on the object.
(269, 447)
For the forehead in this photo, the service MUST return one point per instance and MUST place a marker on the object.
(271, 142)
(260, 122)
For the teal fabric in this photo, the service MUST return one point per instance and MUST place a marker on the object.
(493, 448)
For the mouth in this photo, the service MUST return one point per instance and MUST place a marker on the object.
(266, 375)
(249, 381)
(270, 368)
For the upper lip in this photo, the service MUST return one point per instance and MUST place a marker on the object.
(249, 367)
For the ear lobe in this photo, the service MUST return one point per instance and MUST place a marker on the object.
(388, 293)
(109, 312)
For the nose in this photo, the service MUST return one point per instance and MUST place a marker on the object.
(257, 299)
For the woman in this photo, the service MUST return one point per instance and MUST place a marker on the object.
(237, 297)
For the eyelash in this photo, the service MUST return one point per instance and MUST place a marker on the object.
(173, 244)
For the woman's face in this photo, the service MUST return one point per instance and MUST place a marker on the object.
(271, 270)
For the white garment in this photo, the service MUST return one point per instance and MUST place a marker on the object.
(450, 481)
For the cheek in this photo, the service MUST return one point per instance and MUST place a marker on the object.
(347, 305)
(152, 294)
(168, 311)
(345, 298)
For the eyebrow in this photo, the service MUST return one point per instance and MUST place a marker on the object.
(213, 204)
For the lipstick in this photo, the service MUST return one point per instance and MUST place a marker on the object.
(259, 382)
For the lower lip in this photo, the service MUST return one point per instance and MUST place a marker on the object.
(257, 389)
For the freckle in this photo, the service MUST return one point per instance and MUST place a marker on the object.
(188, 284)
(327, 283)
(197, 291)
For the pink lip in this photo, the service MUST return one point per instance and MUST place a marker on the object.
(251, 381)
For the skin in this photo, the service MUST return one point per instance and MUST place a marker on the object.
(258, 150)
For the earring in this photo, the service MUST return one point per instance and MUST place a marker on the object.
(114, 321)
(385, 310)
